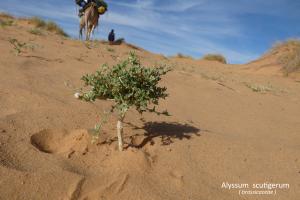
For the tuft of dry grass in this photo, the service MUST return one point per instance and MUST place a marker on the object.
(6, 15)
(133, 47)
(290, 55)
(53, 27)
(215, 57)
(47, 25)
(6, 20)
(290, 62)
(180, 55)
(285, 46)
(38, 22)
(259, 88)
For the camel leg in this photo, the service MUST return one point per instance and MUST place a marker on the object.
(81, 27)
(86, 28)
(89, 31)
(92, 30)
(88, 34)
(80, 33)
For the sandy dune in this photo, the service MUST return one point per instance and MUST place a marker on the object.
(227, 124)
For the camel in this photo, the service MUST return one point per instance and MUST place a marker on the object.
(89, 21)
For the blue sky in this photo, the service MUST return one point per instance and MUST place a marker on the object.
(241, 30)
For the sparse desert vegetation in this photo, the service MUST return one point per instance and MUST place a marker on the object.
(20, 47)
(17, 45)
(180, 55)
(215, 57)
(35, 31)
(53, 27)
(259, 88)
(39, 23)
(288, 55)
(6, 20)
(4, 23)
(282, 59)
(110, 49)
(6, 15)
(47, 25)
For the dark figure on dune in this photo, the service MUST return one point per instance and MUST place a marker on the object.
(111, 37)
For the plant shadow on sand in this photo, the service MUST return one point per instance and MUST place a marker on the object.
(166, 131)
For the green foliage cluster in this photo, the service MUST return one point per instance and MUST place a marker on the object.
(215, 57)
(35, 31)
(128, 83)
(110, 49)
(49, 26)
(17, 45)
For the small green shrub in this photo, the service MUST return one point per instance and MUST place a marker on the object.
(35, 31)
(17, 45)
(215, 57)
(20, 47)
(128, 84)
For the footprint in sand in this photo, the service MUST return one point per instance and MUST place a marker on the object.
(61, 141)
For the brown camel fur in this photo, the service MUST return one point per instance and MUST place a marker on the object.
(89, 21)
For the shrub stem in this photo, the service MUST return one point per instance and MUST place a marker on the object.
(120, 134)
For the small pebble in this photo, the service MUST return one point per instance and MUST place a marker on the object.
(77, 95)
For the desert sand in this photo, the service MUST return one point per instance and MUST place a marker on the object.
(229, 124)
